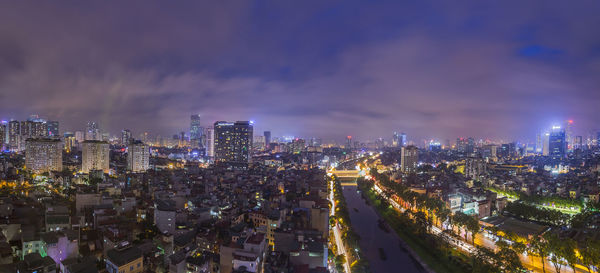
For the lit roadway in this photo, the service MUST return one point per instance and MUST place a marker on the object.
(530, 262)
(336, 232)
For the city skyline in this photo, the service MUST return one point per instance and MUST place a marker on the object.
(326, 69)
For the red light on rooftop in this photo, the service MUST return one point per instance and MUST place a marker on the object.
(349, 137)
(570, 121)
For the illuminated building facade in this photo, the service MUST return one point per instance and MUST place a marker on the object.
(43, 155)
(14, 136)
(95, 156)
(233, 142)
(209, 134)
(3, 135)
(53, 129)
(138, 157)
(195, 131)
(557, 146)
(409, 159)
(125, 136)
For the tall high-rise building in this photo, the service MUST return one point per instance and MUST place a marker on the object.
(267, 135)
(475, 167)
(79, 136)
(69, 141)
(538, 143)
(195, 131)
(138, 157)
(396, 140)
(53, 129)
(209, 133)
(95, 156)
(43, 155)
(598, 139)
(92, 132)
(403, 140)
(577, 142)
(569, 138)
(557, 143)
(233, 142)
(348, 142)
(125, 137)
(546, 143)
(14, 136)
(33, 129)
(409, 158)
(3, 135)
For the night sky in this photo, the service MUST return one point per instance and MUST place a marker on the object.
(443, 69)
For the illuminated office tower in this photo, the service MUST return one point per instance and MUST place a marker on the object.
(125, 136)
(409, 158)
(557, 143)
(33, 129)
(233, 142)
(43, 155)
(267, 135)
(349, 142)
(209, 134)
(546, 143)
(538, 143)
(577, 142)
(396, 140)
(53, 130)
(195, 131)
(138, 157)
(92, 132)
(3, 135)
(569, 138)
(14, 136)
(403, 140)
(95, 156)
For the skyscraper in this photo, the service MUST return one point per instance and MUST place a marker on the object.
(396, 141)
(69, 141)
(195, 131)
(3, 135)
(125, 137)
(546, 143)
(92, 132)
(95, 156)
(14, 136)
(409, 157)
(233, 143)
(569, 138)
(349, 142)
(138, 157)
(557, 143)
(53, 130)
(43, 155)
(403, 139)
(209, 133)
(267, 135)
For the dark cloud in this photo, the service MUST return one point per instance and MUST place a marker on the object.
(327, 69)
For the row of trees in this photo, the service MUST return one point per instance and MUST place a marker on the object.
(483, 260)
(532, 212)
(341, 217)
(433, 209)
(556, 201)
(558, 251)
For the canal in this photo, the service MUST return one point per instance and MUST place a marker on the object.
(365, 224)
